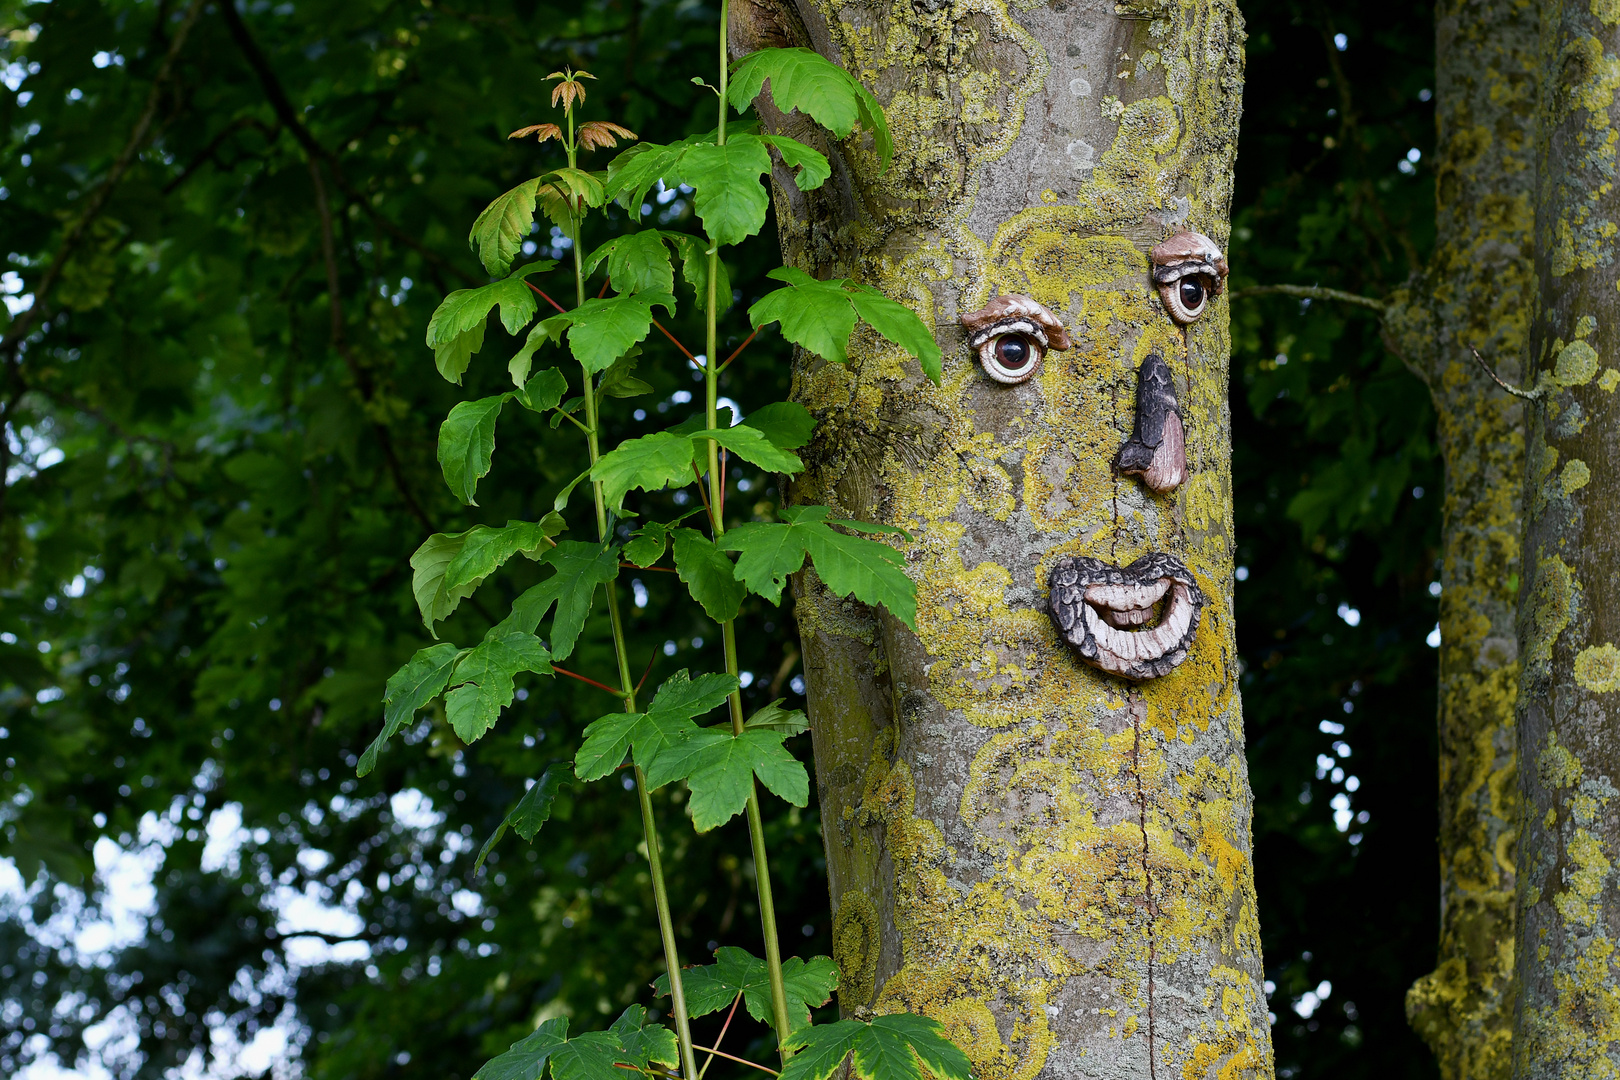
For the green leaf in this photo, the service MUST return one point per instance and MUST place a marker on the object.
(602, 329)
(578, 183)
(453, 356)
(789, 722)
(855, 566)
(637, 262)
(807, 81)
(814, 314)
(633, 173)
(531, 812)
(820, 315)
(667, 720)
(900, 325)
(888, 1048)
(499, 232)
(456, 330)
(752, 445)
(484, 549)
(618, 380)
(768, 552)
(580, 569)
(812, 166)
(588, 1056)
(708, 574)
(729, 197)
(694, 255)
(649, 463)
(786, 423)
(482, 684)
(541, 393)
(800, 79)
(410, 688)
(643, 1042)
(428, 565)
(709, 989)
(849, 565)
(467, 444)
(546, 331)
(567, 490)
(646, 545)
(526, 1059)
(719, 768)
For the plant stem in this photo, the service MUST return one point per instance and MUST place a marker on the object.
(649, 825)
(728, 630)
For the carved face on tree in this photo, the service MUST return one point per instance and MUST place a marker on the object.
(1011, 335)
(1189, 270)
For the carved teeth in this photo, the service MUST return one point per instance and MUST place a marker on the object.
(1097, 608)
(1127, 597)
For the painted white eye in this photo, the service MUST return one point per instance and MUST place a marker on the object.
(1189, 270)
(1011, 335)
(1187, 298)
(1012, 357)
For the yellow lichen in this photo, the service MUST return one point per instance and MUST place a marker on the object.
(1597, 668)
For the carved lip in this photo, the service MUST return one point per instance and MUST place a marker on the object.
(1136, 621)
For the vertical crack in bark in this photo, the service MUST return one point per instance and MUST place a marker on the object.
(1138, 707)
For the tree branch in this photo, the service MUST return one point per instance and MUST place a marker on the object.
(1534, 394)
(362, 377)
(11, 344)
(1314, 292)
(293, 122)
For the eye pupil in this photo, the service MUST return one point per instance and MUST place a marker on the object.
(1013, 352)
(1192, 293)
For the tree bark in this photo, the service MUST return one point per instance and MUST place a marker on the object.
(1477, 293)
(1052, 861)
(1567, 1022)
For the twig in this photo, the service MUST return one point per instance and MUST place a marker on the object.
(1535, 394)
(658, 569)
(739, 349)
(720, 1038)
(678, 345)
(583, 679)
(544, 297)
(738, 1060)
(723, 459)
(701, 493)
(209, 152)
(1313, 292)
(639, 685)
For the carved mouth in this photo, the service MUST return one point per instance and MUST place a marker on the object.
(1136, 622)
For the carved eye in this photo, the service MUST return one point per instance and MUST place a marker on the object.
(1188, 269)
(1187, 298)
(1011, 335)
(1011, 358)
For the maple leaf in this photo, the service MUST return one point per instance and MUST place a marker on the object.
(541, 131)
(596, 133)
(570, 89)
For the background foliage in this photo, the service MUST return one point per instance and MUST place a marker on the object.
(220, 455)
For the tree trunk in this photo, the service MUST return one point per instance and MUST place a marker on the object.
(1051, 860)
(1477, 293)
(1567, 1023)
